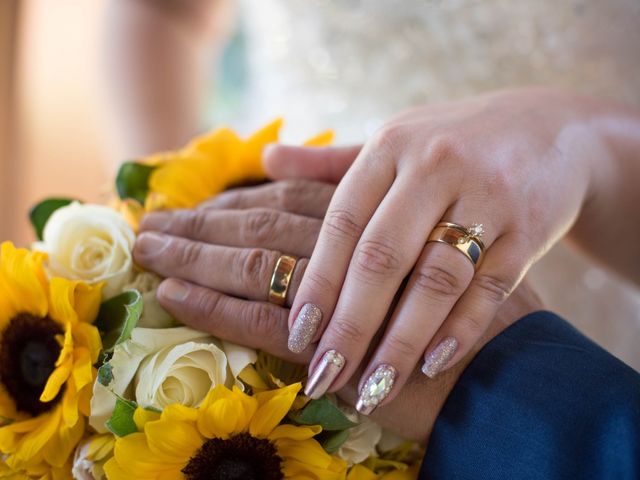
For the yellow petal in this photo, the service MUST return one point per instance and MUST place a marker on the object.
(134, 457)
(58, 451)
(295, 433)
(62, 299)
(321, 140)
(25, 283)
(88, 336)
(274, 405)
(360, 472)
(32, 444)
(141, 416)
(57, 378)
(82, 368)
(174, 442)
(86, 301)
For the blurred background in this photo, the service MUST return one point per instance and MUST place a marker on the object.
(53, 127)
(55, 119)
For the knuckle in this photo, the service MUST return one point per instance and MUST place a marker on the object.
(263, 320)
(317, 282)
(442, 150)
(389, 137)
(503, 183)
(437, 282)
(254, 267)
(473, 324)
(494, 288)
(341, 223)
(403, 346)
(377, 258)
(290, 194)
(195, 223)
(347, 330)
(260, 226)
(188, 253)
(208, 306)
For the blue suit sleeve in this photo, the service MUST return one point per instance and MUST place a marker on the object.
(540, 401)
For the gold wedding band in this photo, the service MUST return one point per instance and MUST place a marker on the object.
(280, 279)
(465, 240)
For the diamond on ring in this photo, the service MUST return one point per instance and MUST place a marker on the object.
(476, 230)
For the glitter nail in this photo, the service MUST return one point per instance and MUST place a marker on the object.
(439, 357)
(304, 328)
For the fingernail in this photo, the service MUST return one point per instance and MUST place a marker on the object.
(151, 243)
(325, 373)
(439, 357)
(174, 290)
(304, 328)
(376, 388)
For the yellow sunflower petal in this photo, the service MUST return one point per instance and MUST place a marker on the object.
(86, 301)
(141, 416)
(136, 458)
(225, 412)
(28, 286)
(251, 165)
(321, 140)
(33, 443)
(180, 413)
(294, 433)
(83, 371)
(88, 336)
(274, 405)
(175, 442)
(57, 453)
(360, 472)
(58, 377)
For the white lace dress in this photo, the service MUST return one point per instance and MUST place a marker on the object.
(351, 64)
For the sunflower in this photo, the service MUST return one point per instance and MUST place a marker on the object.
(48, 347)
(230, 436)
(211, 164)
(207, 166)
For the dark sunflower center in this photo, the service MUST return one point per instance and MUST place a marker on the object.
(28, 354)
(241, 457)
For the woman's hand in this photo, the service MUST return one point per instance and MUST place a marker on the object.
(520, 163)
(249, 238)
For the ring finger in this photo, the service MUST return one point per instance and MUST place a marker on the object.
(440, 277)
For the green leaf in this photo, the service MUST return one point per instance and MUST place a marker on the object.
(40, 213)
(121, 422)
(132, 181)
(105, 374)
(332, 442)
(118, 317)
(325, 413)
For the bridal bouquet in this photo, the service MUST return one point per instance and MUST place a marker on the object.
(98, 381)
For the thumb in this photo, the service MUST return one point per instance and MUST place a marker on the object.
(327, 164)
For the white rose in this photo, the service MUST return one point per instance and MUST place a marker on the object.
(91, 243)
(157, 367)
(363, 438)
